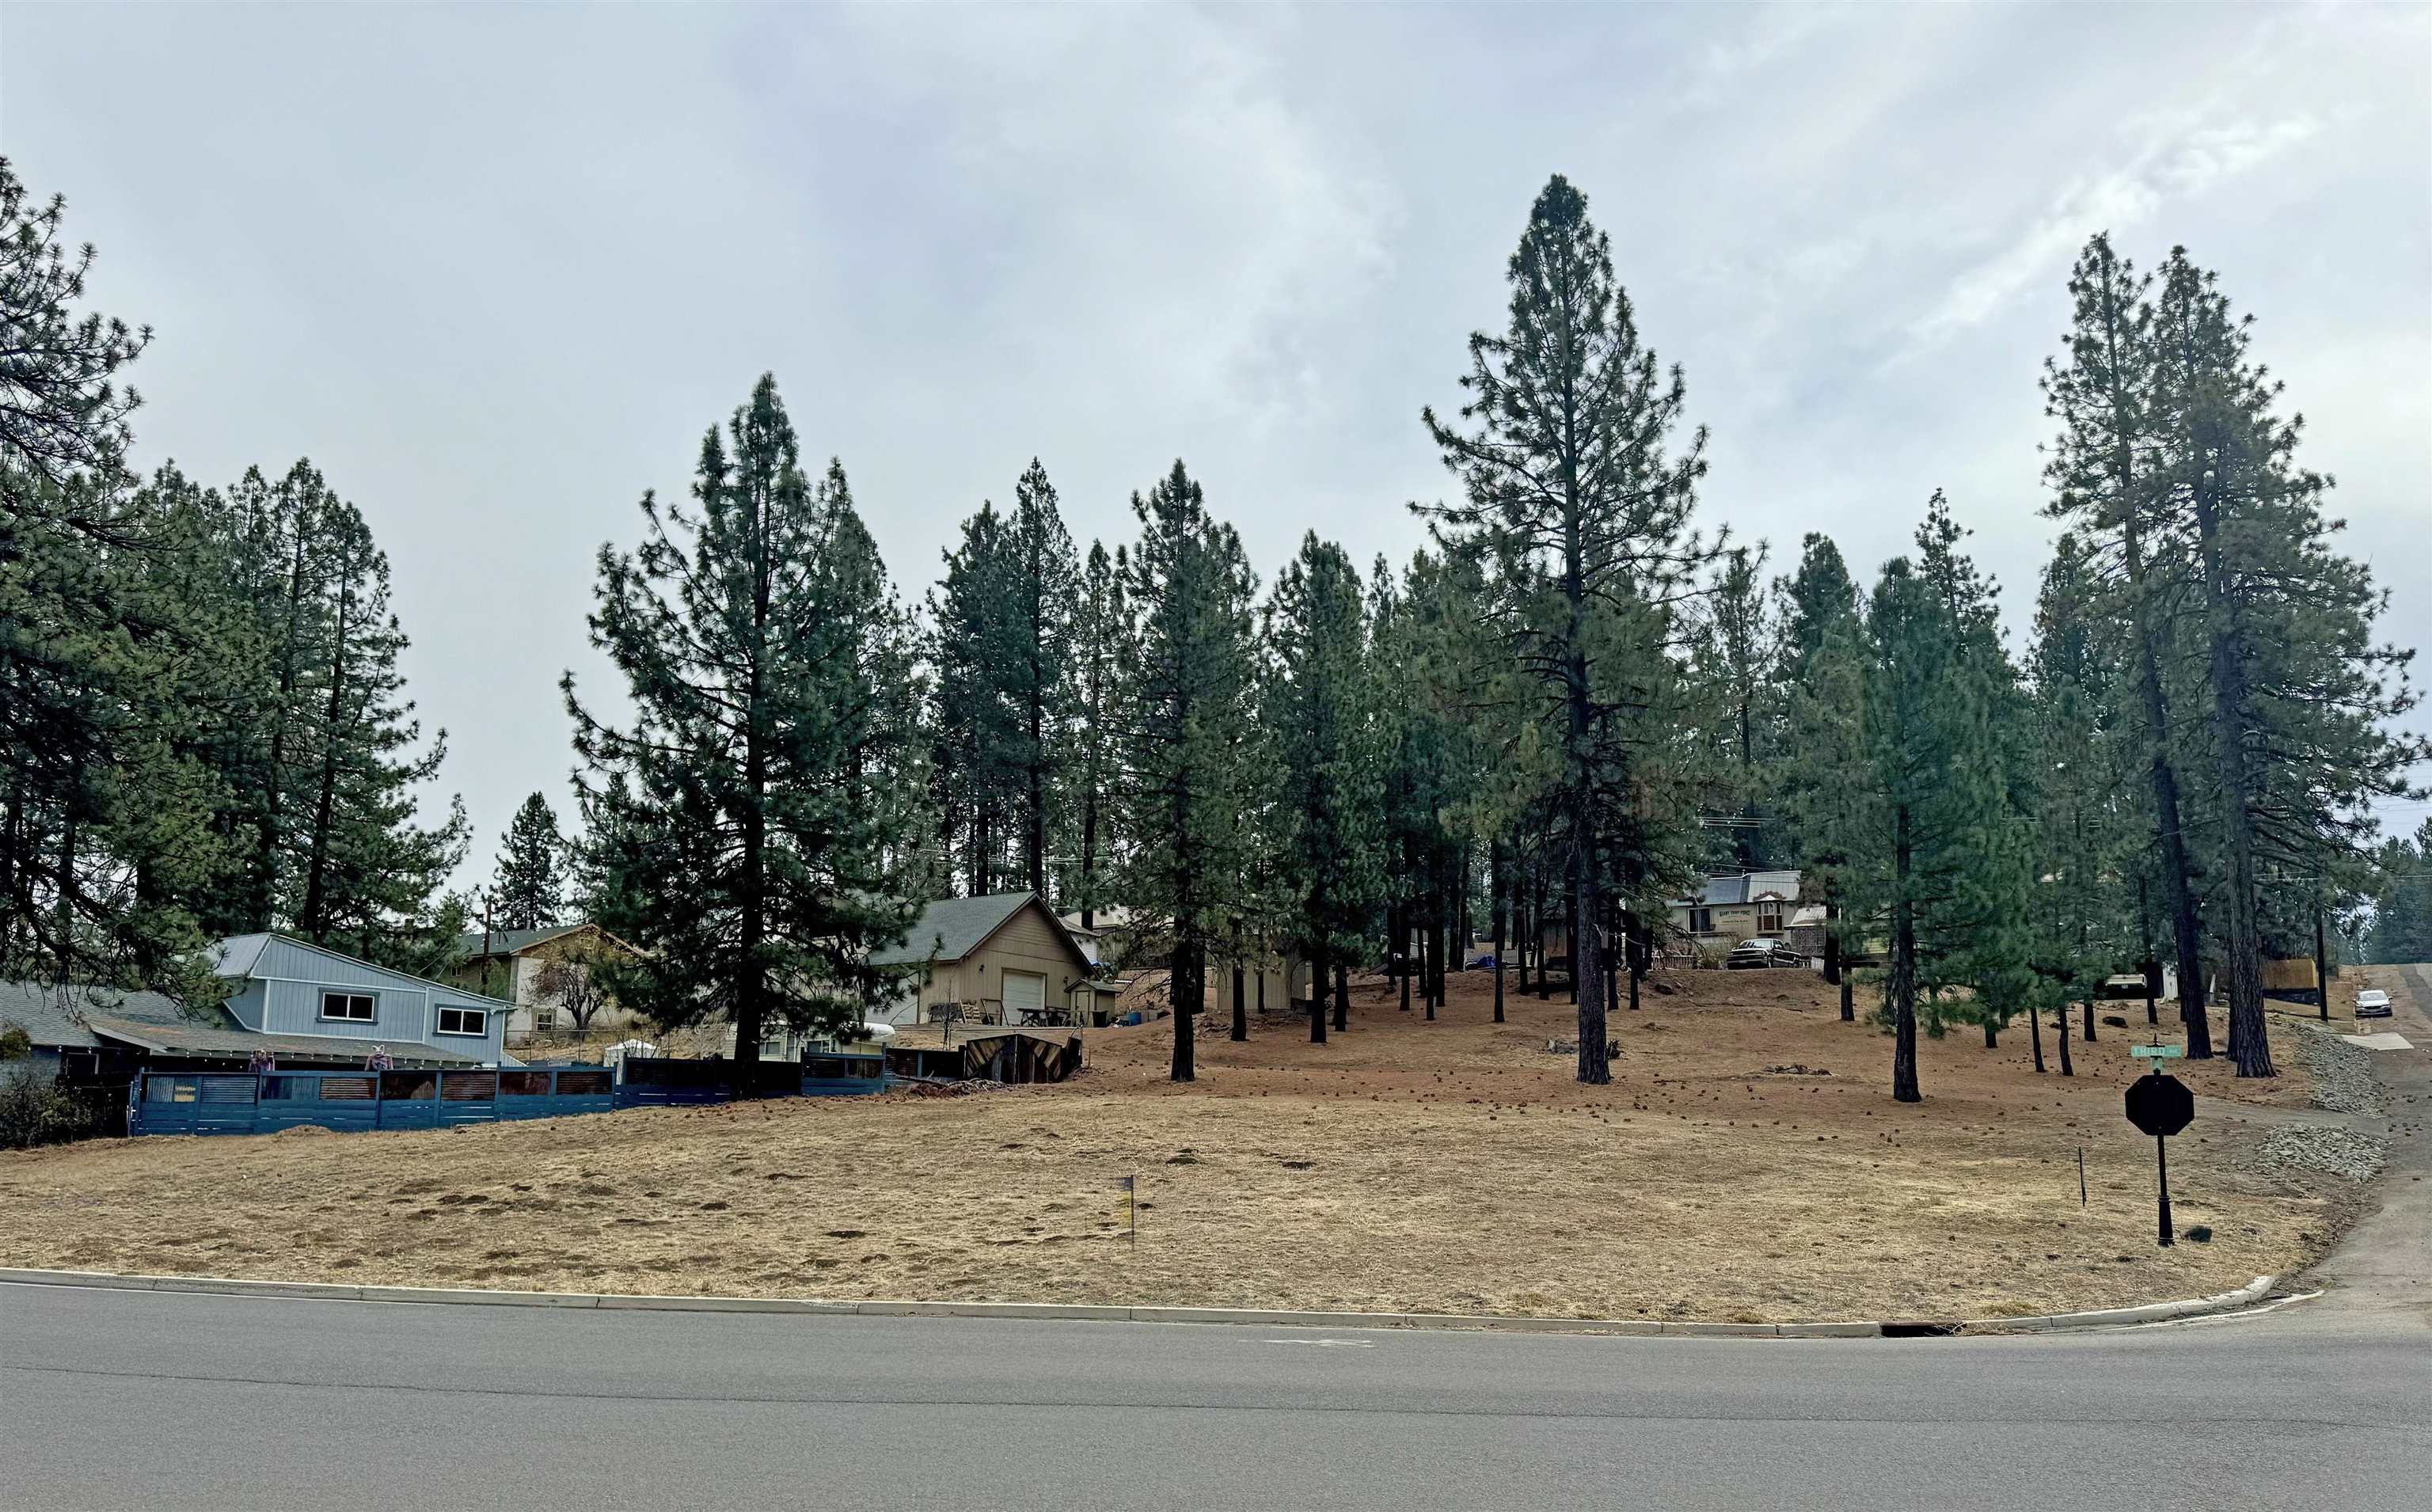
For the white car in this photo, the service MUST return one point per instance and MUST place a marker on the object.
(2372, 1003)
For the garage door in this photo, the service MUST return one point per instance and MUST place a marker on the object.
(1025, 994)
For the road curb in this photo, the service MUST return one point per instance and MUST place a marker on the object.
(466, 1295)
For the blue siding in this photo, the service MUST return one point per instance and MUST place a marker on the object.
(166, 1102)
(289, 978)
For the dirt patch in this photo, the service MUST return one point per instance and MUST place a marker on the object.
(1747, 1162)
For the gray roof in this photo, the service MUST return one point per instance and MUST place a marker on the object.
(237, 955)
(231, 1040)
(953, 928)
(1723, 892)
(55, 1014)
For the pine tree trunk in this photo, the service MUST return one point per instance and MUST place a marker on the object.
(1904, 977)
(2060, 1026)
(1832, 944)
(1342, 993)
(1089, 865)
(2035, 1034)
(1188, 991)
(314, 918)
(1240, 996)
(2250, 1046)
(1992, 1034)
(1497, 902)
(1402, 948)
(1639, 947)
(2089, 1021)
(1430, 961)
(1849, 999)
(2321, 967)
(2160, 774)
(1317, 998)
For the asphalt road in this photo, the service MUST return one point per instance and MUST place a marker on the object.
(117, 1400)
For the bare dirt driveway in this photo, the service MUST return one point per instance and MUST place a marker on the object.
(1746, 1162)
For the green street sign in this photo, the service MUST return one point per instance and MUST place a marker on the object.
(2144, 1052)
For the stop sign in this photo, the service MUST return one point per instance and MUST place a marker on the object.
(2160, 1106)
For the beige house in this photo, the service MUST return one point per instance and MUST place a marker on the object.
(1728, 910)
(999, 959)
(510, 963)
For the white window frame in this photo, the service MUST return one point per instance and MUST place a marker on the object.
(1764, 906)
(439, 1021)
(371, 998)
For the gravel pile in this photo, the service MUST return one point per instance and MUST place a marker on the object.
(2343, 1075)
(2338, 1151)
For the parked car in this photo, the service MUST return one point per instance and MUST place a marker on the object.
(1762, 952)
(2372, 1003)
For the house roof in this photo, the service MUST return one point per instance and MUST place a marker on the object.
(953, 928)
(511, 942)
(225, 1038)
(1747, 887)
(53, 1014)
(240, 955)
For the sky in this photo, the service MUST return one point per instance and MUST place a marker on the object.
(494, 269)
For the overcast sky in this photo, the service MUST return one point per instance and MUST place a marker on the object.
(494, 269)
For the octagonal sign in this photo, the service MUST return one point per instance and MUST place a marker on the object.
(2160, 1106)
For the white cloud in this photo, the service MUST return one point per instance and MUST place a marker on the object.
(2161, 170)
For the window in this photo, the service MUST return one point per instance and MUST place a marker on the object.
(1768, 916)
(1702, 921)
(474, 1021)
(353, 1007)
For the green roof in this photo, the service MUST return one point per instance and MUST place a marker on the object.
(953, 928)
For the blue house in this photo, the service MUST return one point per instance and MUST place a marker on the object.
(302, 996)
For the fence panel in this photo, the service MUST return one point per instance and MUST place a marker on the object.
(187, 1102)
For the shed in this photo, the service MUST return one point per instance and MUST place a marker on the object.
(1002, 958)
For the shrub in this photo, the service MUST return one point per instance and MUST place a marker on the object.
(15, 1044)
(34, 1112)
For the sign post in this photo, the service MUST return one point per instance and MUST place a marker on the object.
(1131, 1206)
(2160, 1106)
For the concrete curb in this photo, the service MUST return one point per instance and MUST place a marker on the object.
(2107, 1318)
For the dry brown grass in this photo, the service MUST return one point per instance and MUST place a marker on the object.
(1407, 1166)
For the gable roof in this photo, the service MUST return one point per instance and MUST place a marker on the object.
(953, 928)
(52, 1013)
(239, 956)
(514, 942)
(1748, 888)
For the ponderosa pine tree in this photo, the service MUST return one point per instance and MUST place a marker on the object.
(1188, 708)
(2105, 473)
(1737, 643)
(753, 818)
(528, 890)
(2089, 842)
(1943, 853)
(975, 725)
(1038, 663)
(1317, 704)
(2299, 696)
(1003, 640)
(1569, 490)
(1103, 638)
(1823, 680)
(103, 820)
